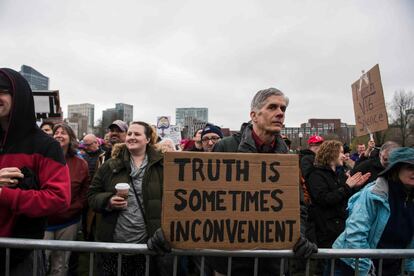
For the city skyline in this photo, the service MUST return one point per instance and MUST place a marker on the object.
(159, 56)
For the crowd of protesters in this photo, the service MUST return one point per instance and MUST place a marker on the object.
(54, 186)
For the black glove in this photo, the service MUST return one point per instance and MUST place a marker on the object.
(158, 243)
(30, 180)
(304, 248)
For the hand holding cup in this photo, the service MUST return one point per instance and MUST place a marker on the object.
(120, 200)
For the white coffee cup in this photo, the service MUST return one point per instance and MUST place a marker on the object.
(122, 190)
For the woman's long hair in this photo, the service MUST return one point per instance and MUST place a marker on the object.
(328, 152)
(73, 141)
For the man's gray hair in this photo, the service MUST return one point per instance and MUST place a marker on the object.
(261, 96)
(388, 146)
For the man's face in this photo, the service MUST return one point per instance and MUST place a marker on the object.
(116, 135)
(91, 144)
(5, 103)
(361, 148)
(271, 116)
(315, 147)
(383, 155)
(209, 140)
(197, 139)
(347, 156)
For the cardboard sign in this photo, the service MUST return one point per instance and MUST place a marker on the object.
(163, 126)
(369, 105)
(175, 134)
(231, 200)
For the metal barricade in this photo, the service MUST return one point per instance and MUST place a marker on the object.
(123, 248)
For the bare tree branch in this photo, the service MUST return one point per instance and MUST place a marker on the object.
(402, 112)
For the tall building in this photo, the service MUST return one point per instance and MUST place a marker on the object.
(192, 125)
(108, 116)
(124, 112)
(36, 80)
(81, 122)
(198, 113)
(85, 109)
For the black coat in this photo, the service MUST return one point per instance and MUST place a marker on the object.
(307, 157)
(243, 142)
(372, 165)
(329, 201)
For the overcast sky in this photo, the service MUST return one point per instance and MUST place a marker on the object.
(159, 55)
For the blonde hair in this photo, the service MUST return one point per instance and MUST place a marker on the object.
(328, 152)
(165, 145)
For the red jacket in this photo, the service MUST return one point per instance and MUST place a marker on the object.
(79, 178)
(23, 144)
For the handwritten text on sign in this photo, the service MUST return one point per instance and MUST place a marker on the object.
(231, 201)
(369, 105)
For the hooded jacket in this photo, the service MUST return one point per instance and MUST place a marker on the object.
(369, 212)
(24, 145)
(79, 178)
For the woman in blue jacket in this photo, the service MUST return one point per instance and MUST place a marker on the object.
(382, 216)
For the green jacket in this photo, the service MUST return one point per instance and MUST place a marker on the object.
(117, 170)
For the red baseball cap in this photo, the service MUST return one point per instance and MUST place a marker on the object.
(315, 139)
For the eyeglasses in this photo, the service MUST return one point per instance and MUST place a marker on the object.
(88, 145)
(212, 139)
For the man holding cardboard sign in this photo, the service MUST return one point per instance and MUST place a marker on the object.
(261, 135)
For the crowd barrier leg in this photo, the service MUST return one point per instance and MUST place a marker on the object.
(357, 267)
(7, 272)
(380, 267)
(229, 260)
(175, 266)
(147, 265)
(203, 260)
(256, 266)
(119, 271)
(282, 266)
(91, 259)
(332, 267)
(307, 267)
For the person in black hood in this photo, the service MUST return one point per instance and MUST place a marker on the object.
(34, 178)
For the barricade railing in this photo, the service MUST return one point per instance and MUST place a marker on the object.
(124, 248)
